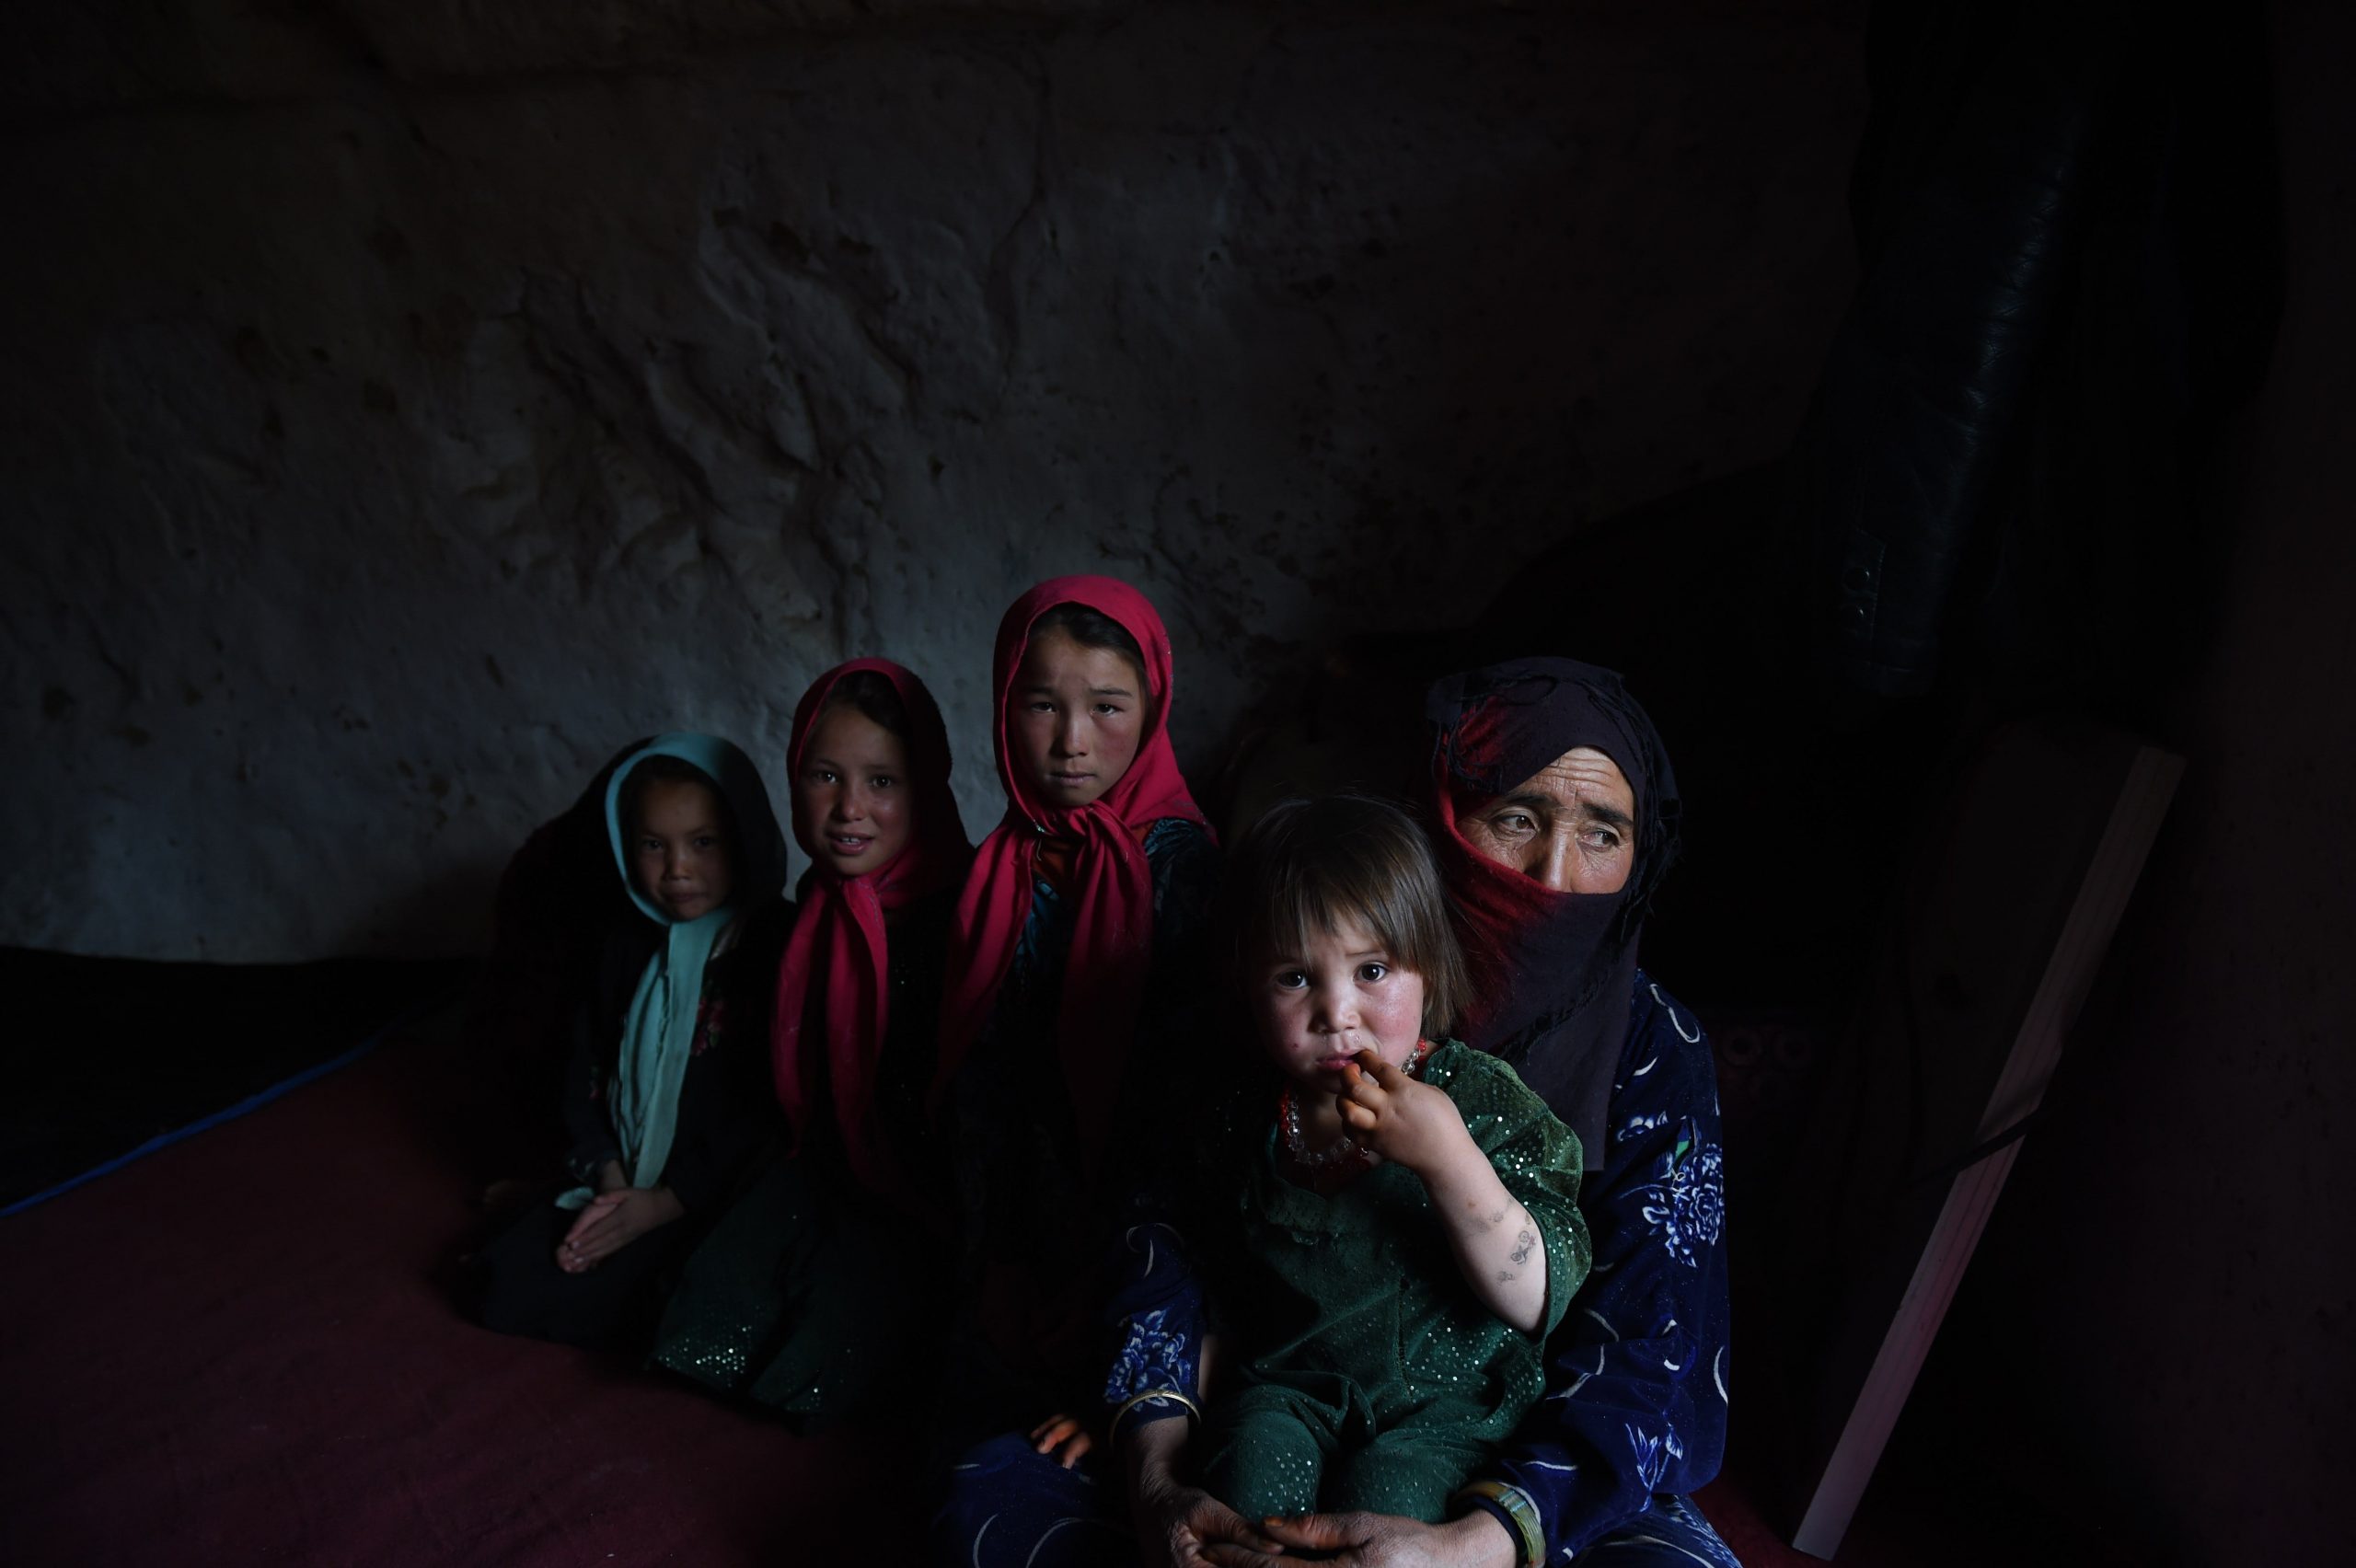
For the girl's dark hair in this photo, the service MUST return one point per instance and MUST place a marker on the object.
(664, 768)
(1308, 865)
(1094, 628)
(872, 693)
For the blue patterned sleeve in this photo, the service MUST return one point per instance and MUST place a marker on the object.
(1636, 1391)
(1157, 1320)
(1154, 1314)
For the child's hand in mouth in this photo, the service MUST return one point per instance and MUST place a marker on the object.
(1407, 1123)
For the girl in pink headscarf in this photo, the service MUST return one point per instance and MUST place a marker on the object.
(1069, 942)
(791, 1302)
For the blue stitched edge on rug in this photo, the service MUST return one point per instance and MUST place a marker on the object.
(252, 1102)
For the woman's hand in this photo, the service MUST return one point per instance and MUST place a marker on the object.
(1179, 1525)
(1065, 1438)
(1185, 1527)
(1376, 1540)
(611, 1221)
(1405, 1122)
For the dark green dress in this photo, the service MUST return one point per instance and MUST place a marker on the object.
(1023, 1332)
(1359, 1368)
(800, 1300)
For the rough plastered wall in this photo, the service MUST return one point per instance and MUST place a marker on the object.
(407, 403)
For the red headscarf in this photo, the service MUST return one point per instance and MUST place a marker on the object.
(833, 989)
(1107, 873)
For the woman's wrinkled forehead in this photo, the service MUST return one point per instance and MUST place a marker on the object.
(1581, 777)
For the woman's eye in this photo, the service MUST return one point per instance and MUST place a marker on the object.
(884, 781)
(1515, 823)
(706, 842)
(1604, 840)
(1108, 708)
(1371, 972)
(1040, 707)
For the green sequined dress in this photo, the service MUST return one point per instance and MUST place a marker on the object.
(800, 1299)
(1361, 1370)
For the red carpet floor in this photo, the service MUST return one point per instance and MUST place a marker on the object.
(234, 1351)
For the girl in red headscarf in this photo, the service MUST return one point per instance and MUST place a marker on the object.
(789, 1302)
(1068, 946)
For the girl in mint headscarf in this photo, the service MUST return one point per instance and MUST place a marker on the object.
(666, 1098)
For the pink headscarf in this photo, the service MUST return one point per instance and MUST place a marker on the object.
(832, 988)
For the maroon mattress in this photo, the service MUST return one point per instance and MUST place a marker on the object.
(235, 1351)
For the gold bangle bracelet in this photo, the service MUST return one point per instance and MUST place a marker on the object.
(1113, 1427)
(1522, 1509)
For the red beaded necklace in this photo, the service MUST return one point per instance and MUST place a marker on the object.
(1344, 1151)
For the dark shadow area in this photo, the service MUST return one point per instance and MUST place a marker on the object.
(113, 1052)
(2019, 497)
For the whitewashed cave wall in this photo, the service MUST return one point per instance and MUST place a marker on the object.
(407, 403)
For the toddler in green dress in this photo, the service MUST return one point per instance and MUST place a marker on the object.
(1393, 1233)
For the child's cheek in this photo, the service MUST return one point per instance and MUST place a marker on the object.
(1278, 1028)
(1403, 1014)
(1030, 742)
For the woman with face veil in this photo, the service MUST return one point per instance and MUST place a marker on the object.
(1555, 812)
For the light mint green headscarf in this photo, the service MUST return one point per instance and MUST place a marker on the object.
(659, 1030)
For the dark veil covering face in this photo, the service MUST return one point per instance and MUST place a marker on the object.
(834, 986)
(1552, 972)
